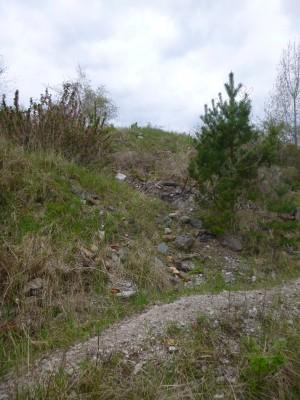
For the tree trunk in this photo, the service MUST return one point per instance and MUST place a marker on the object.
(295, 122)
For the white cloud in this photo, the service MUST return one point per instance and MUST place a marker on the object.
(161, 60)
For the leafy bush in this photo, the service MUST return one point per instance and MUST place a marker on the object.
(75, 124)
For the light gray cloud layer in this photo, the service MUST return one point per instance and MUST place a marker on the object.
(161, 60)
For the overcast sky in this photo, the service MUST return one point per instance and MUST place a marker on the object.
(161, 60)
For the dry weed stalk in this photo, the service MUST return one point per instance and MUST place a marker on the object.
(62, 125)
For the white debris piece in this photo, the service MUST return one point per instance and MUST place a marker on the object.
(120, 177)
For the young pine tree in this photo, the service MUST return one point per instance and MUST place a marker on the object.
(223, 157)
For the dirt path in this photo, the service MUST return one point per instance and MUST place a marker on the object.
(131, 335)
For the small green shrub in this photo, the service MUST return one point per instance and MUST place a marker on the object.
(283, 205)
(218, 222)
(262, 364)
(256, 240)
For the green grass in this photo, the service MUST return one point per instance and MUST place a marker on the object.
(150, 139)
(60, 329)
(44, 224)
(43, 202)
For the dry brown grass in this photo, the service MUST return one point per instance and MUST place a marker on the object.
(161, 165)
(170, 166)
(137, 164)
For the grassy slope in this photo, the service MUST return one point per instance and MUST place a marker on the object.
(44, 226)
(152, 140)
(151, 153)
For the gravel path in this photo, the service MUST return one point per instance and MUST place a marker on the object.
(131, 334)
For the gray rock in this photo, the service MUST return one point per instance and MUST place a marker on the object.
(205, 236)
(126, 289)
(125, 294)
(163, 248)
(34, 287)
(167, 221)
(168, 231)
(169, 183)
(173, 215)
(185, 219)
(297, 214)
(196, 223)
(184, 242)
(185, 266)
(232, 242)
